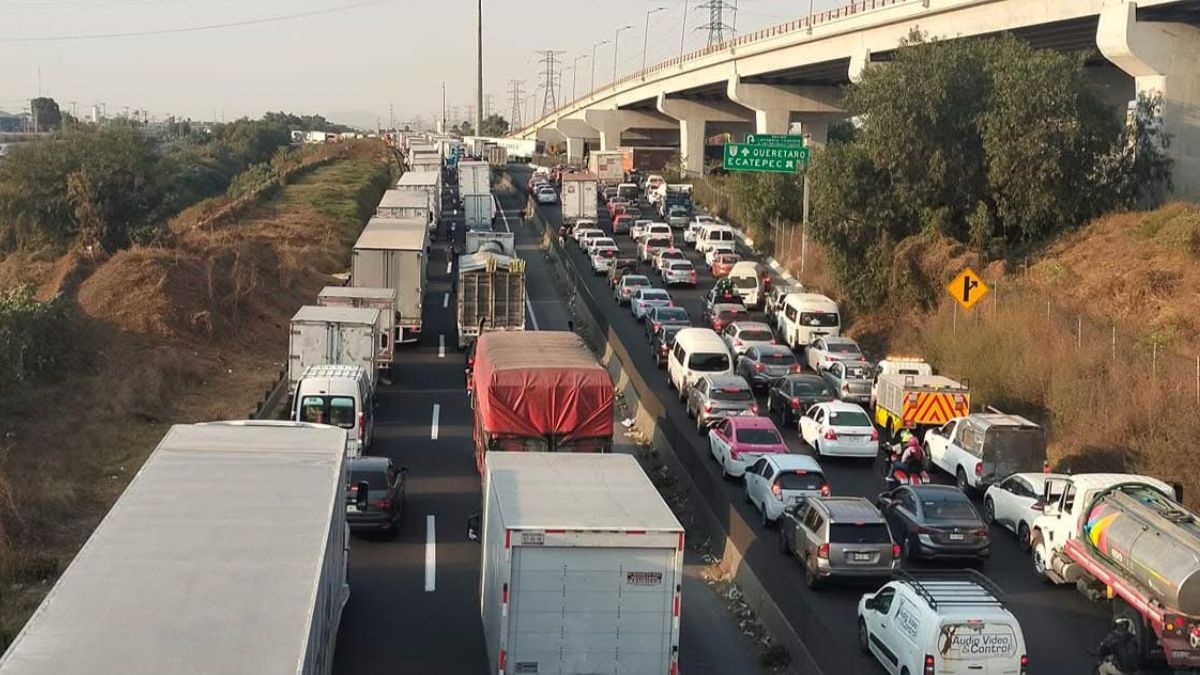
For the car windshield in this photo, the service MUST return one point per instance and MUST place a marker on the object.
(336, 410)
(756, 335)
(728, 259)
(375, 479)
(658, 242)
(636, 281)
(857, 373)
(745, 282)
(948, 509)
(843, 348)
(777, 359)
(848, 418)
(800, 480)
(655, 294)
(859, 533)
(809, 386)
(671, 314)
(819, 319)
(758, 437)
(734, 393)
(728, 315)
(681, 266)
(708, 363)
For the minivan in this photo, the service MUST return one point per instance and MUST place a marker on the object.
(714, 234)
(806, 316)
(341, 396)
(697, 352)
(747, 281)
(834, 537)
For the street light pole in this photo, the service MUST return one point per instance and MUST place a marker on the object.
(575, 77)
(598, 44)
(479, 73)
(683, 30)
(616, 49)
(646, 37)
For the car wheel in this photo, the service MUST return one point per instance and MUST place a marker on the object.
(766, 522)
(864, 641)
(906, 549)
(770, 408)
(670, 382)
(817, 447)
(682, 394)
(782, 539)
(810, 578)
(960, 479)
(989, 510)
(1023, 537)
(700, 426)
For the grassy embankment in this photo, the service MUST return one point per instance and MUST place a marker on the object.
(188, 331)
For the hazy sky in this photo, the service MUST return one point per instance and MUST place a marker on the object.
(349, 65)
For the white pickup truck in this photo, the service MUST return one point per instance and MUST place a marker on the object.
(985, 448)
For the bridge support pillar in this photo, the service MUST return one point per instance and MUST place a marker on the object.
(773, 104)
(693, 116)
(1162, 58)
(815, 128)
(576, 132)
(608, 124)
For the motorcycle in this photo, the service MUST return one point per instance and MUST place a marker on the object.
(896, 474)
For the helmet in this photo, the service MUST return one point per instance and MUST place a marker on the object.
(913, 442)
(905, 435)
(1123, 623)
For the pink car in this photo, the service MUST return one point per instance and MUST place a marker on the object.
(738, 442)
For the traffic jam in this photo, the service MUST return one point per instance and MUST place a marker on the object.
(874, 472)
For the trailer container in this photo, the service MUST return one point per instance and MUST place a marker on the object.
(648, 159)
(578, 196)
(607, 166)
(491, 294)
(428, 183)
(582, 566)
(474, 178)
(227, 553)
(496, 156)
(391, 254)
(405, 205)
(332, 335)
(478, 209)
(382, 299)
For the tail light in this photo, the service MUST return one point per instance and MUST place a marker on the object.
(826, 490)
(657, 325)
(830, 435)
(1173, 623)
(362, 426)
(823, 551)
(874, 434)
(777, 490)
(737, 342)
(895, 551)
(693, 275)
(795, 366)
(734, 453)
(708, 407)
(663, 348)
(384, 504)
(795, 402)
(981, 532)
(759, 367)
(929, 668)
(1024, 664)
(845, 388)
(754, 408)
(978, 468)
(927, 530)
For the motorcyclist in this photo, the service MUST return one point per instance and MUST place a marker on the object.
(1119, 650)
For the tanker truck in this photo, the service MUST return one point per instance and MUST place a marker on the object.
(1126, 538)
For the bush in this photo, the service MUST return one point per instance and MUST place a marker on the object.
(35, 337)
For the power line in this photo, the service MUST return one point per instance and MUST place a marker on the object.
(549, 78)
(192, 29)
(716, 25)
(516, 90)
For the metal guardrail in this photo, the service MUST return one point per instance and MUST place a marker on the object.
(802, 24)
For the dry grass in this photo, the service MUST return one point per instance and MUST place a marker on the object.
(195, 331)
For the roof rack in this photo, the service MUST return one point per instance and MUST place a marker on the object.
(950, 588)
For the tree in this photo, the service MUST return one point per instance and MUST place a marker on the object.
(46, 114)
(765, 198)
(494, 125)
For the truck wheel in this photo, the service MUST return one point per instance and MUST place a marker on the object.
(960, 479)
(1040, 561)
(1141, 634)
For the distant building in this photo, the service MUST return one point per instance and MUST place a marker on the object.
(11, 122)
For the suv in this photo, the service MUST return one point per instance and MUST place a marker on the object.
(385, 484)
(715, 396)
(838, 537)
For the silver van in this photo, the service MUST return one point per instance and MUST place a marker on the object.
(340, 396)
(838, 537)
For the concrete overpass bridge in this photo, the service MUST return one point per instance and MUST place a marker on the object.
(770, 80)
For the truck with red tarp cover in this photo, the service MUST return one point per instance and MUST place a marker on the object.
(539, 391)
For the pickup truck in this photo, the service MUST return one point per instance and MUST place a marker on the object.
(985, 448)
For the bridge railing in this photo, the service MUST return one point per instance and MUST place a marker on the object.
(802, 24)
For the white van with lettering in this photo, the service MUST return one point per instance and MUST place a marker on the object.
(804, 317)
(945, 622)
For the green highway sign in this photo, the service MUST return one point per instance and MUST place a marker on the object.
(774, 139)
(771, 158)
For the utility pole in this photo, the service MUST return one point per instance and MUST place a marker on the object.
(716, 25)
(646, 37)
(391, 116)
(479, 76)
(443, 129)
(616, 48)
(575, 76)
(550, 60)
(515, 91)
(598, 44)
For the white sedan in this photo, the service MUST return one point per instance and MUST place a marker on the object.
(839, 429)
(547, 195)
(602, 258)
(1015, 502)
(715, 250)
(582, 233)
(825, 350)
(667, 255)
(639, 228)
(594, 243)
(645, 298)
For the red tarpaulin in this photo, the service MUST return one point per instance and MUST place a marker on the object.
(540, 383)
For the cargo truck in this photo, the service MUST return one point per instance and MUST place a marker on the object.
(428, 183)
(405, 205)
(382, 299)
(647, 160)
(503, 243)
(582, 566)
(391, 254)
(333, 335)
(478, 210)
(578, 197)
(1126, 539)
(227, 553)
(496, 156)
(607, 166)
(474, 178)
(491, 295)
(539, 391)
(918, 402)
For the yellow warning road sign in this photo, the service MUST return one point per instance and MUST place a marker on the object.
(967, 288)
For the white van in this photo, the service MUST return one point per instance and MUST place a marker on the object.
(941, 623)
(805, 317)
(747, 282)
(697, 352)
(340, 396)
(714, 234)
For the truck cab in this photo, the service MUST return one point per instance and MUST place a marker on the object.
(985, 448)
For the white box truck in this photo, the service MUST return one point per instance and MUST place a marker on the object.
(578, 196)
(428, 183)
(582, 566)
(474, 178)
(227, 553)
(391, 254)
(405, 205)
(607, 166)
(332, 335)
(422, 160)
(478, 209)
(382, 299)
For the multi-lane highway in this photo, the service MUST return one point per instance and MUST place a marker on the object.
(414, 601)
(1059, 624)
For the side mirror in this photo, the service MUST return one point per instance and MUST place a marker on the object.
(362, 496)
(869, 604)
(473, 526)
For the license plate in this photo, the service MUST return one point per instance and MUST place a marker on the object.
(862, 557)
(956, 537)
(351, 508)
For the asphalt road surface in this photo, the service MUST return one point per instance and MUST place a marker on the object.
(1059, 624)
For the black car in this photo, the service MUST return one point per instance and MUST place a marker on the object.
(790, 396)
(935, 522)
(661, 342)
(384, 505)
(658, 317)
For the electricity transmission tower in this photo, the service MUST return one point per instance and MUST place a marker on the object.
(517, 92)
(549, 78)
(716, 25)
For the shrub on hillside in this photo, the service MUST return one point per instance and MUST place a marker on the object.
(35, 337)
